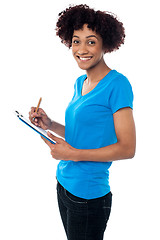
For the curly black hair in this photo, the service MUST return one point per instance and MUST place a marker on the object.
(103, 23)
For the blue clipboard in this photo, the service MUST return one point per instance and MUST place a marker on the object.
(39, 130)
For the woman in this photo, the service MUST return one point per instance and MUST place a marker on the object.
(99, 126)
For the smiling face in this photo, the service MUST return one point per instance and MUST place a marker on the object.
(87, 48)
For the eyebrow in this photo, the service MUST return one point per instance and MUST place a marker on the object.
(87, 36)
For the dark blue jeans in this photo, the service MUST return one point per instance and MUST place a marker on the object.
(83, 219)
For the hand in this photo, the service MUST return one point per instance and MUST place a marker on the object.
(40, 118)
(61, 150)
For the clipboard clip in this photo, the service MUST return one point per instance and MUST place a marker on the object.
(18, 114)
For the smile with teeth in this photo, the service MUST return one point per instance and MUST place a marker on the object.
(84, 58)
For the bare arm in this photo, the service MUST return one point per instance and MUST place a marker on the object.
(58, 128)
(41, 119)
(123, 149)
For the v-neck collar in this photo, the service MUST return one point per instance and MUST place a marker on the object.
(100, 82)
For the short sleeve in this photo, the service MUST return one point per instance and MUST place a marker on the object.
(121, 95)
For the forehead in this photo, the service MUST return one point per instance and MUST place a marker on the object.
(84, 32)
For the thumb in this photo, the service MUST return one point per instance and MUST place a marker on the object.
(57, 139)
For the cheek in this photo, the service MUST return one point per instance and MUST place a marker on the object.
(98, 51)
(74, 50)
(74, 55)
(101, 53)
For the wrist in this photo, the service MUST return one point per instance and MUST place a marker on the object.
(76, 155)
(51, 125)
(83, 155)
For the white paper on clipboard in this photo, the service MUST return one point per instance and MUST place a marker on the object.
(39, 130)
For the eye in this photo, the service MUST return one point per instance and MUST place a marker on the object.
(75, 42)
(91, 42)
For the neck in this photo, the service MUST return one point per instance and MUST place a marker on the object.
(96, 73)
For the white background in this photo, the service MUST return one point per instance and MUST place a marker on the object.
(33, 64)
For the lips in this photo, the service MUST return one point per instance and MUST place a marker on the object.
(84, 59)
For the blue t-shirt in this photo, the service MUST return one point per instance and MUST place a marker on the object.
(89, 125)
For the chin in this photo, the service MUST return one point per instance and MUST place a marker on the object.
(87, 66)
(83, 67)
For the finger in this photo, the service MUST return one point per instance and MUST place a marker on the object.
(57, 139)
(31, 117)
(31, 112)
(52, 153)
(33, 109)
(36, 115)
(40, 110)
(47, 142)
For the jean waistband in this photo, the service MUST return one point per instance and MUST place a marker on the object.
(78, 198)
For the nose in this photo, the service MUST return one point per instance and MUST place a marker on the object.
(82, 50)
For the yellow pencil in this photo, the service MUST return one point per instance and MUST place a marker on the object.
(38, 106)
